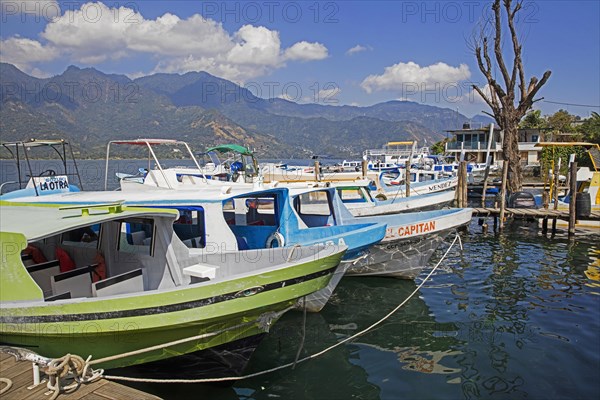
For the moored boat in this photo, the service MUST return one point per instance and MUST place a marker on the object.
(410, 240)
(118, 279)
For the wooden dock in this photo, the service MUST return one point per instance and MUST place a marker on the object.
(538, 213)
(21, 375)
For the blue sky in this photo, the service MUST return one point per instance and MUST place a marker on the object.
(330, 52)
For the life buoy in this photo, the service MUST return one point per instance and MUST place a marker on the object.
(274, 240)
(381, 197)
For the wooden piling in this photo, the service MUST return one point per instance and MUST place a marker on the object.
(545, 199)
(458, 192)
(573, 197)
(407, 177)
(317, 171)
(463, 167)
(503, 193)
(556, 183)
(364, 168)
(485, 180)
(544, 226)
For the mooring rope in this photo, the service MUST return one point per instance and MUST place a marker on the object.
(312, 356)
(8, 384)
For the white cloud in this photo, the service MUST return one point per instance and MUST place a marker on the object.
(401, 75)
(95, 33)
(356, 49)
(287, 97)
(328, 95)
(306, 51)
(22, 51)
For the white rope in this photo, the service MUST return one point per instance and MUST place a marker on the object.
(188, 339)
(291, 364)
(8, 384)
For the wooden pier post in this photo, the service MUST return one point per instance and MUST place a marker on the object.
(573, 197)
(545, 199)
(463, 167)
(317, 171)
(407, 177)
(485, 180)
(545, 226)
(556, 183)
(503, 193)
(364, 168)
(459, 192)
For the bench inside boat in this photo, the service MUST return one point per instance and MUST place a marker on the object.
(134, 255)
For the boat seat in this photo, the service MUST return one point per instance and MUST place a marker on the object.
(138, 237)
(41, 274)
(27, 259)
(201, 272)
(77, 281)
(128, 282)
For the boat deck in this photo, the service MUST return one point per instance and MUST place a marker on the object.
(21, 375)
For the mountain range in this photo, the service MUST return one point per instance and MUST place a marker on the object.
(90, 108)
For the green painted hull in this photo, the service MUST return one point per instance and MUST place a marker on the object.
(223, 311)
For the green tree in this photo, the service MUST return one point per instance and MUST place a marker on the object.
(590, 129)
(561, 121)
(439, 147)
(533, 120)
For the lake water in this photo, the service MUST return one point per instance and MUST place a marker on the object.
(511, 316)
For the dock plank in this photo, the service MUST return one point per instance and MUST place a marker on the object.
(117, 392)
(21, 375)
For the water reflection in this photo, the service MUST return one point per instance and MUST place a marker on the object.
(525, 301)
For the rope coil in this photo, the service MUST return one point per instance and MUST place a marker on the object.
(70, 366)
(8, 384)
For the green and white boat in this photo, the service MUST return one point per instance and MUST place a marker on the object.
(127, 293)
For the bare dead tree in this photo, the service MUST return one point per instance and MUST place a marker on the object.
(507, 109)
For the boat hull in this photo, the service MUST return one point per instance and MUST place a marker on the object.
(408, 245)
(229, 359)
(217, 313)
(403, 259)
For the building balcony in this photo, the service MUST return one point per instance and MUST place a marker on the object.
(471, 147)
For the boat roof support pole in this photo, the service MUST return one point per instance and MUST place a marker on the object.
(195, 161)
(30, 170)
(75, 165)
(158, 165)
(106, 166)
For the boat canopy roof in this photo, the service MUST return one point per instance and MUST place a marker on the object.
(400, 143)
(39, 221)
(35, 143)
(145, 142)
(154, 198)
(236, 148)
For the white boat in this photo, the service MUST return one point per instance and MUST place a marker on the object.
(360, 201)
(398, 153)
(389, 190)
(411, 238)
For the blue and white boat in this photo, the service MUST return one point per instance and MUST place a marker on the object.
(219, 220)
